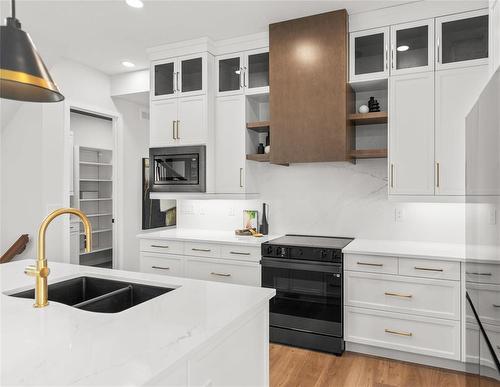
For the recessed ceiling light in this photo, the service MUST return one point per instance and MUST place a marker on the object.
(126, 63)
(135, 3)
(403, 48)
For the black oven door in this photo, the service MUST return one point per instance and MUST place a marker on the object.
(179, 169)
(308, 295)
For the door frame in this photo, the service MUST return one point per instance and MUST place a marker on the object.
(117, 173)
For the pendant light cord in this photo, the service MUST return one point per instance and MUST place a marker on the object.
(13, 9)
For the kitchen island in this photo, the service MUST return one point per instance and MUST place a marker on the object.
(202, 333)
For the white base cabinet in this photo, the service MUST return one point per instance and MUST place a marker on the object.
(205, 261)
(404, 304)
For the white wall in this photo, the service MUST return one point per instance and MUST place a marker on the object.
(92, 132)
(33, 157)
(135, 142)
(338, 199)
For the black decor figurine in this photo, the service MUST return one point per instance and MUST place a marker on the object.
(373, 105)
(260, 149)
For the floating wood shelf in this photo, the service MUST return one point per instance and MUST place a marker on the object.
(368, 153)
(369, 118)
(259, 126)
(259, 157)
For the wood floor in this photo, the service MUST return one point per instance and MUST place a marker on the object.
(298, 367)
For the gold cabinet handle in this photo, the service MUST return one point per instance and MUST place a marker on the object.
(203, 250)
(392, 332)
(398, 295)
(160, 246)
(178, 125)
(386, 57)
(392, 175)
(477, 273)
(241, 177)
(427, 269)
(173, 129)
(437, 175)
(370, 264)
(238, 253)
(221, 274)
(160, 268)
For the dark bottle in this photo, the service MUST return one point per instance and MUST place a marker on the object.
(260, 149)
(264, 226)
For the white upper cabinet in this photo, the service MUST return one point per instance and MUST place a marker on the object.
(230, 144)
(456, 91)
(163, 123)
(192, 121)
(411, 134)
(179, 77)
(412, 47)
(245, 72)
(369, 54)
(462, 40)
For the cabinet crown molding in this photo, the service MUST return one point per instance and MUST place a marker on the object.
(185, 47)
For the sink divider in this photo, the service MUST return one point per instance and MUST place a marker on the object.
(104, 296)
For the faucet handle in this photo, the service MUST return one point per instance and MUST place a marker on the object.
(31, 270)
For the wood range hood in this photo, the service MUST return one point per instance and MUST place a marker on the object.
(309, 92)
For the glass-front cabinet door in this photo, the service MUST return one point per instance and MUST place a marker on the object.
(462, 39)
(412, 47)
(229, 70)
(256, 77)
(164, 76)
(191, 78)
(369, 54)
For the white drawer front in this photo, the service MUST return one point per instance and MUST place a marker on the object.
(202, 249)
(422, 335)
(482, 273)
(241, 273)
(162, 246)
(429, 269)
(371, 263)
(433, 298)
(166, 264)
(241, 253)
(488, 306)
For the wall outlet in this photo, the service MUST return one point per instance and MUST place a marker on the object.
(201, 210)
(231, 211)
(188, 209)
(398, 215)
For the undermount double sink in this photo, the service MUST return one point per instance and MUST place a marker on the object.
(99, 295)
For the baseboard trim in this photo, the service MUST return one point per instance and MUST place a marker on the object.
(431, 361)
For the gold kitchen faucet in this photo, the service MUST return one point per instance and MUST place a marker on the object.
(41, 271)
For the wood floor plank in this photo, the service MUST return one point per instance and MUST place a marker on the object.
(303, 368)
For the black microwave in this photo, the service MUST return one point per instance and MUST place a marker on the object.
(178, 169)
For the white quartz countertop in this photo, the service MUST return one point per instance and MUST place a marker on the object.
(407, 249)
(208, 236)
(61, 345)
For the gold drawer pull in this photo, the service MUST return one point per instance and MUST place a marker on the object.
(398, 295)
(202, 250)
(160, 246)
(398, 333)
(221, 274)
(477, 273)
(160, 268)
(427, 269)
(238, 253)
(370, 264)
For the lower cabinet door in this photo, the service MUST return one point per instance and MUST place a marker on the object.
(166, 264)
(242, 273)
(425, 297)
(403, 332)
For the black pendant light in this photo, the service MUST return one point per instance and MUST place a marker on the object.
(23, 75)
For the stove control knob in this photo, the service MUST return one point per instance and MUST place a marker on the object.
(300, 252)
(281, 251)
(269, 250)
(324, 253)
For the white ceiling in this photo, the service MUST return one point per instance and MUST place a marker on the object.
(102, 33)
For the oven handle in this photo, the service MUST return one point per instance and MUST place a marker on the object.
(296, 264)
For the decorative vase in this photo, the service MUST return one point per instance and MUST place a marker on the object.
(363, 109)
(267, 149)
